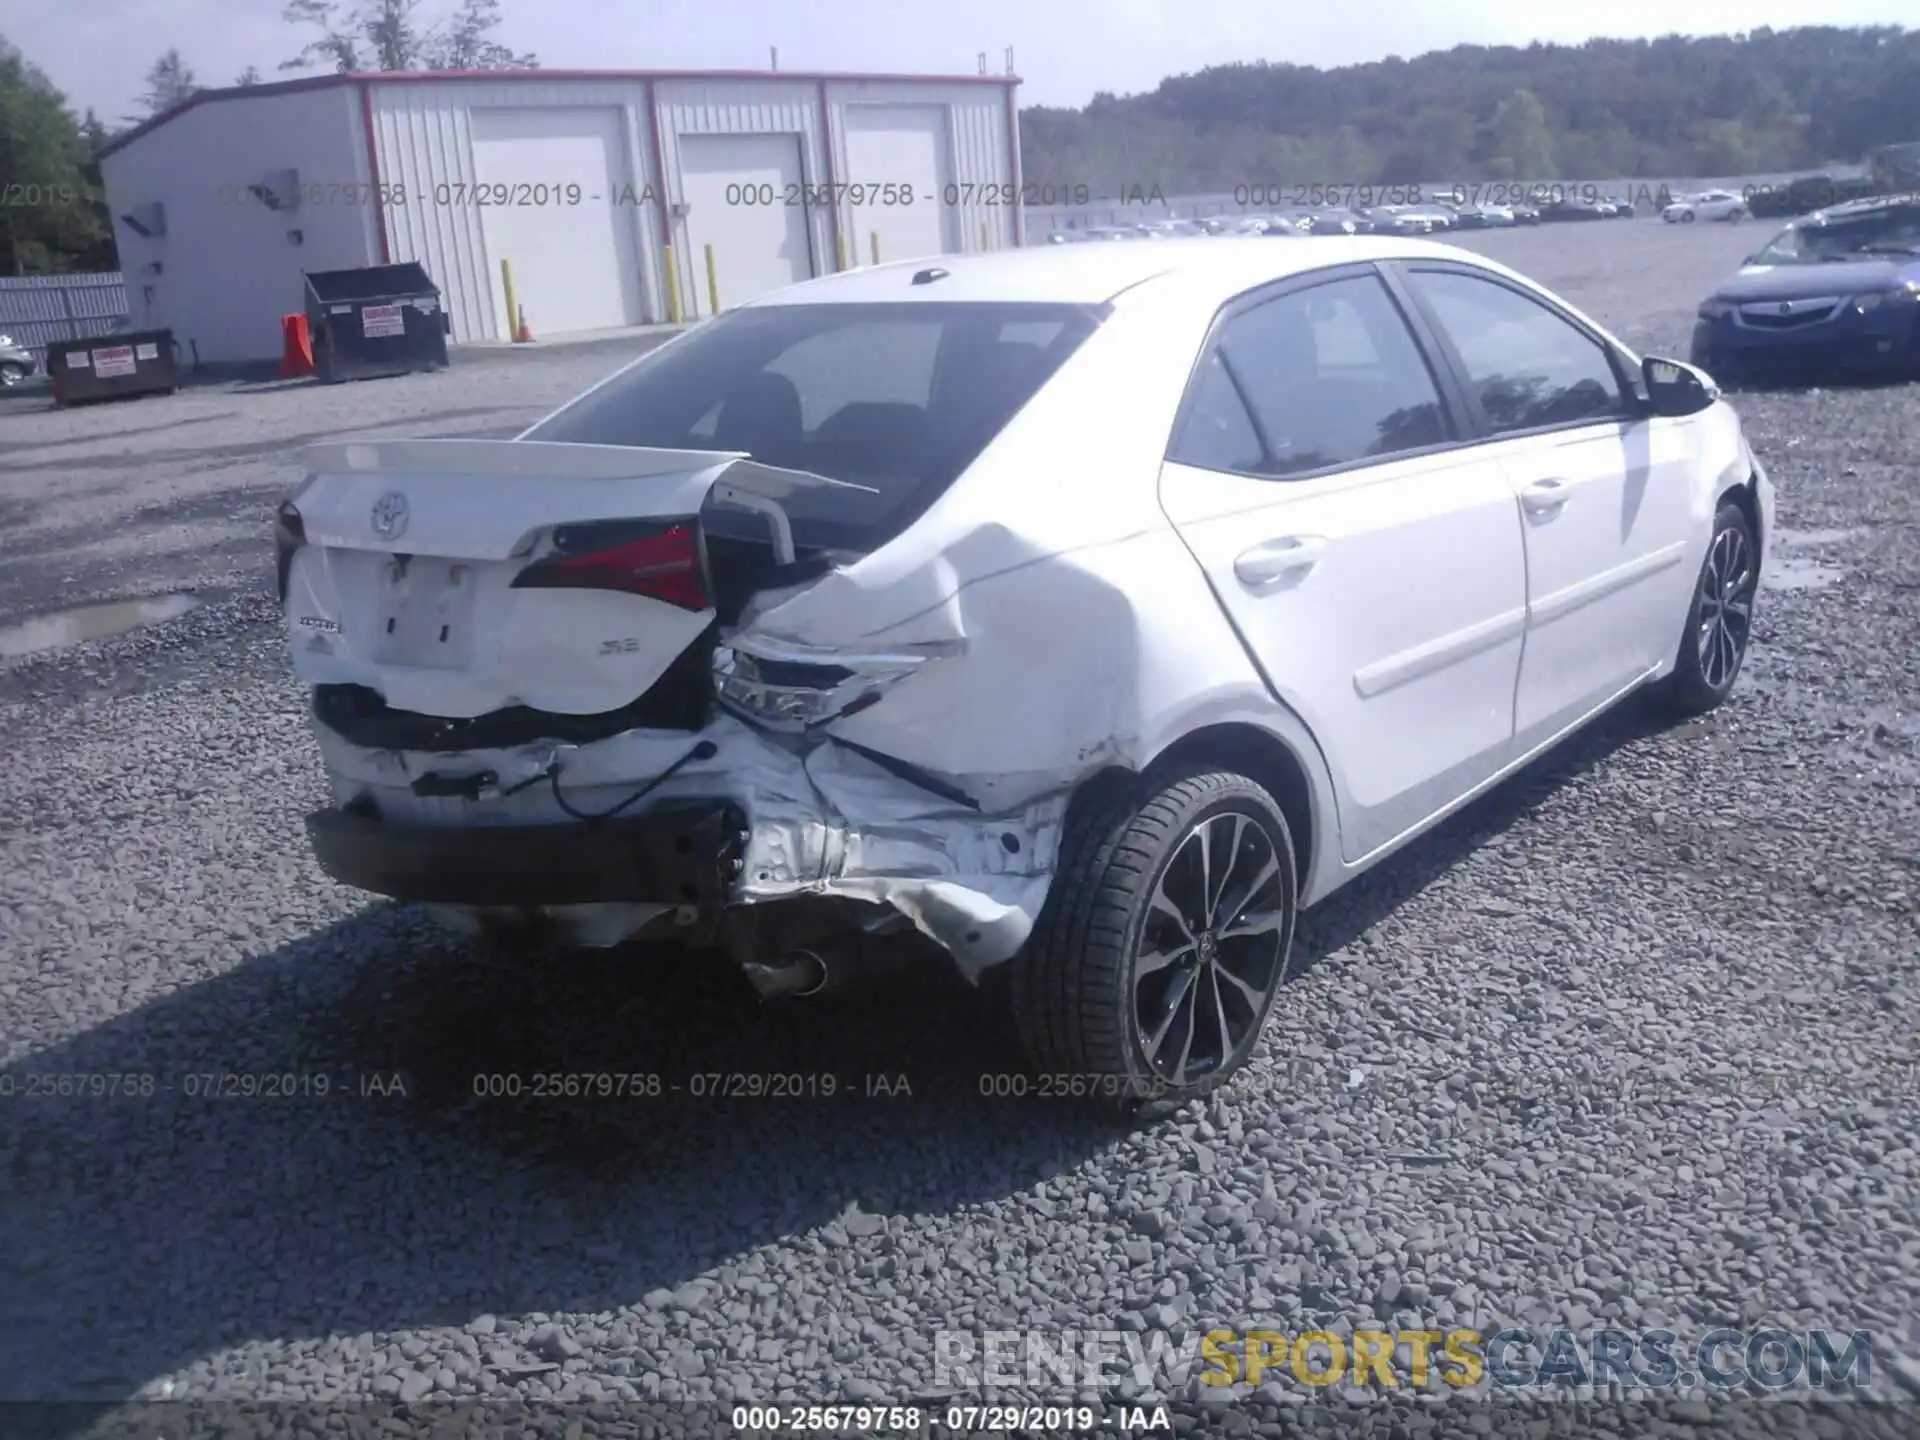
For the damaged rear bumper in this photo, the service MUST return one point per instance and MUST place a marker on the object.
(684, 854)
(754, 822)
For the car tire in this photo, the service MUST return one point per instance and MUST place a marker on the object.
(1110, 956)
(1719, 627)
(12, 375)
(1686, 217)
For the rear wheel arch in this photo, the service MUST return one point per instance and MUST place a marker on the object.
(1267, 760)
(1742, 494)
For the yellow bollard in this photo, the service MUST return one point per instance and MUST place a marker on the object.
(671, 278)
(513, 304)
(713, 285)
(873, 244)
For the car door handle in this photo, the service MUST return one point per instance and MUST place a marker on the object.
(1544, 498)
(1274, 560)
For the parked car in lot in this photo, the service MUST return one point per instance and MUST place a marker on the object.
(1572, 207)
(1837, 291)
(17, 363)
(1440, 217)
(1333, 222)
(1895, 169)
(1398, 220)
(1707, 205)
(1482, 217)
(741, 644)
(1526, 215)
(1617, 208)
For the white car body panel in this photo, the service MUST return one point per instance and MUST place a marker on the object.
(476, 644)
(1611, 557)
(1709, 205)
(1404, 697)
(1075, 601)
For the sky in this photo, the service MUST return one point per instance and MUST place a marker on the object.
(98, 50)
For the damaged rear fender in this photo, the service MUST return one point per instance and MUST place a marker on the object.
(823, 820)
(1047, 669)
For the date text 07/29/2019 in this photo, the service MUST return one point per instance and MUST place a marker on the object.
(568, 194)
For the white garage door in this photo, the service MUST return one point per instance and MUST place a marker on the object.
(736, 188)
(574, 266)
(906, 146)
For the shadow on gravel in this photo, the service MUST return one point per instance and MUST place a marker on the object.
(127, 431)
(146, 1231)
(226, 455)
(1356, 908)
(1789, 383)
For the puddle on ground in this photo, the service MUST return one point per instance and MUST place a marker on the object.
(88, 622)
(1790, 572)
(1795, 539)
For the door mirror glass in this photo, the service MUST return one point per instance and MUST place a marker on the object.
(1674, 388)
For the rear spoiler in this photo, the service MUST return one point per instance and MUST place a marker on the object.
(736, 480)
(748, 485)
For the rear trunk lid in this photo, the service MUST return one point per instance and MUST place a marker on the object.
(465, 578)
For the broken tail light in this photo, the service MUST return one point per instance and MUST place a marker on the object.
(289, 534)
(790, 691)
(661, 560)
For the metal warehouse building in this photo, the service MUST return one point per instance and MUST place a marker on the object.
(602, 189)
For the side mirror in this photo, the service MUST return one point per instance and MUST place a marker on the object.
(1674, 388)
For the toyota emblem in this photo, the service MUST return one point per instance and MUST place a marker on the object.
(389, 518)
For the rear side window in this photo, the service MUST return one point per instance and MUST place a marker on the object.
(1528, 366)
(1217, 433)
(898, 398)
(1324, 376)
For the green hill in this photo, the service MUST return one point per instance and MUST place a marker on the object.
(1770, 100)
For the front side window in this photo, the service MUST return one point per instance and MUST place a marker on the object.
(1528, 366)
(899, 398)
(1320, 377)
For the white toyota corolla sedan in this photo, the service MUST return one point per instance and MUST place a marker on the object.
(1076, 613)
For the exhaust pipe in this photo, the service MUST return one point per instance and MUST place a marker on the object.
(797, 973)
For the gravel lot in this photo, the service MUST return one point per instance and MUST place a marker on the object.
(1630, 1041)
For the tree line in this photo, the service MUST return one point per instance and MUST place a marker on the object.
(1765, 101)
(1724, 105)
(53, 213)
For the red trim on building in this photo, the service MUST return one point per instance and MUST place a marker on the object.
(660, 199)
(1013, 165)
(405, 77)
(833, 203)
(373, 171)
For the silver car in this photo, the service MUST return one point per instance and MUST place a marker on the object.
(17, 363)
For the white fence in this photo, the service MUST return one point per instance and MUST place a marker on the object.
(37, 310)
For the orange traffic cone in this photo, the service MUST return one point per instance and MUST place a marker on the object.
(525, 335)
(296, 351)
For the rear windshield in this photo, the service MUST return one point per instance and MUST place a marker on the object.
(899, 398)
